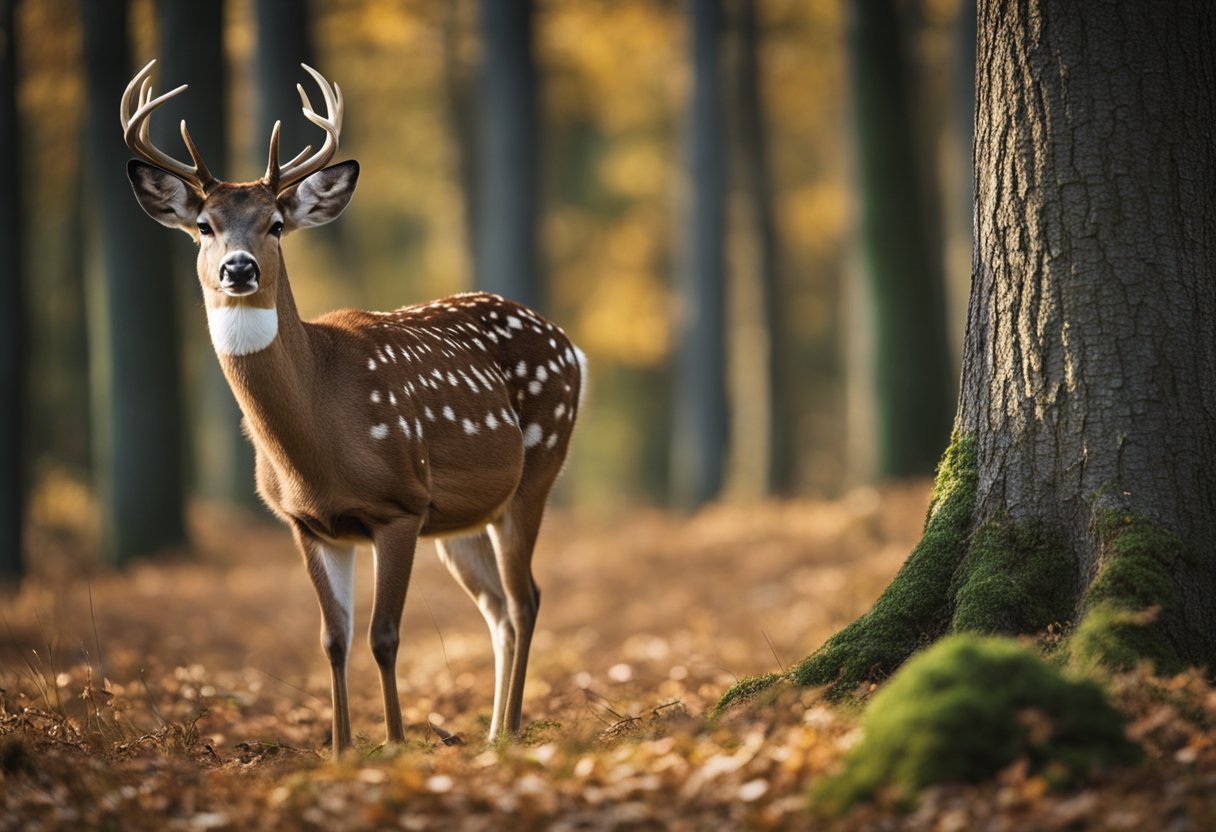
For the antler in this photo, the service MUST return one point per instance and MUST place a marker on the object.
(281, 177)
(135, 130)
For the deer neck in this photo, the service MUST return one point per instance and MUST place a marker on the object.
(267, 354)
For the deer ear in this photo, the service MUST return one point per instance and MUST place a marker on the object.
(164, 197)
(321, 197)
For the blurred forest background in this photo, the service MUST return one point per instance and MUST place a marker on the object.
(753, 216)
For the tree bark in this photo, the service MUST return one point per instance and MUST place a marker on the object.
(700, 429)
(13, 344)
(1078, 489)
(134, 333)
(507, 198)
(913, 382)
(1090, 356)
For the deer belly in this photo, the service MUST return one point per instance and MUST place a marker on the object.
(469, 491)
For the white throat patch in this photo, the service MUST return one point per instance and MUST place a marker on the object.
(241, 330)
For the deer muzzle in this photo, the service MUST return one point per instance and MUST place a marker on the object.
(239, 274)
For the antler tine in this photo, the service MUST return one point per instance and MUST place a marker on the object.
(303, 165)
(136, 131)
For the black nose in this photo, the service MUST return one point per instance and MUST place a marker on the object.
(239, 270)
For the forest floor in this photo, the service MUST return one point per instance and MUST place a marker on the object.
(192, 694)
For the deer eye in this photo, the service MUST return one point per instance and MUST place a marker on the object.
(276, 230)
(204, 228)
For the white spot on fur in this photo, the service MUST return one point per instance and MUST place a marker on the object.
(379, 431)
(430, 414)
(541, 373)
(532, 435)
(514, 322)
(448, 413)
(242, 330)
(405, 426)
(534, 387)
(375, 397)
(491, 421)
(521, 369)
(551, 441)
(371, 362)
(561, 408)
(470, 427)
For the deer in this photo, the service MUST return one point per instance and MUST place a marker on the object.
(448, 420)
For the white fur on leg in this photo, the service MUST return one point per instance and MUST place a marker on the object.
(340, 569)
(241, 330)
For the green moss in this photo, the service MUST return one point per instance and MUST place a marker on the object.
(748, 689)
(1015, 579)
(967, 708)
(1119, 625)
(915, 608)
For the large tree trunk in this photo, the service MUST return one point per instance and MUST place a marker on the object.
(699, 438)
(1078, 488)
(904, 278)
(13, 352)
(133, 322)
(1090, 356)
(506, 202)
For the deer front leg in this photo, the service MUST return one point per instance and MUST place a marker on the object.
(332, 569)
(394, 559)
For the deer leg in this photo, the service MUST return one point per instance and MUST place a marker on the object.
(393, 546)
(514, 537)
(332, 569)
(472, 563)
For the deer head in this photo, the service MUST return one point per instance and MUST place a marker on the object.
(237, 226)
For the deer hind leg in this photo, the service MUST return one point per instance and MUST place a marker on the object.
(472, 562)
(393, 548)
(332, 570)
(514, 537)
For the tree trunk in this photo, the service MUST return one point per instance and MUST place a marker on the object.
(700, 429)
(13, 345)
(1078, 488)
(192, 50)
(284, 42)
(460, 100)
(506, 259)
(1091, 346)
(913, 380)
(780, 465)
(134, 332)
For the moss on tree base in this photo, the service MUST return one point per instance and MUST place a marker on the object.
(1120, 617)
(967, 708)
(1000, 577)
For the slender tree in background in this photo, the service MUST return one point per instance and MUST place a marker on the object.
(753, 152)
(192, 50)
(459, 96)
(133, 325)
(914, 387)
(506, 258)
(284, 32)
(699, 440)
(13, 347)
(1078, 487)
